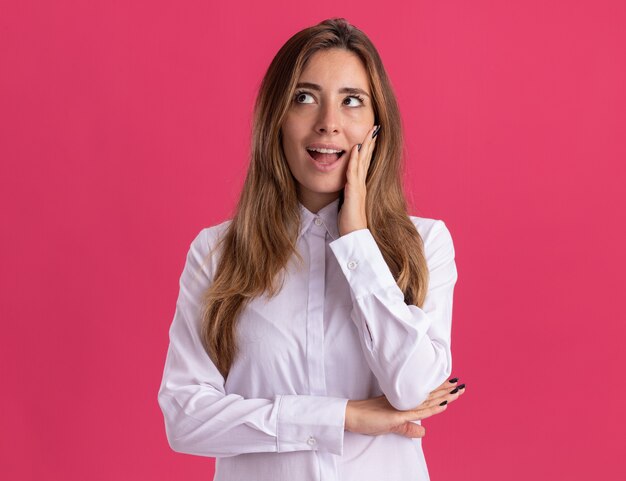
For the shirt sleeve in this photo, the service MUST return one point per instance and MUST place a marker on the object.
(201, 419)
(406, 347)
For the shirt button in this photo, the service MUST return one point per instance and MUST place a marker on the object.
(352, 265)
(318, 221)
(311, 441)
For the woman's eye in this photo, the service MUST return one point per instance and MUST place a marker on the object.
(355, 97)
(300, 95)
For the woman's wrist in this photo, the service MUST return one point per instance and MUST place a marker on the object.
(348, 419)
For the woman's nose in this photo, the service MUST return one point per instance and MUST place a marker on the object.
(328, 120)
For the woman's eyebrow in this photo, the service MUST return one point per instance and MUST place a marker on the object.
(343, 90)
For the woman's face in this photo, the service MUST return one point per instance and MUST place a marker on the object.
(323, 112)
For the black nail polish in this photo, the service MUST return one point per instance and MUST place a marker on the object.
(462, 386)
(454, 391)
(359, 147)
(376, 131)
(443, 403)
(453, 380)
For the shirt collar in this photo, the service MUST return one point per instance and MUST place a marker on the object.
(328, 214)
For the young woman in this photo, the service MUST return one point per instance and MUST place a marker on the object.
(312, 330)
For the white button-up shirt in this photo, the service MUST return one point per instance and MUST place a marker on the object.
(339, 329)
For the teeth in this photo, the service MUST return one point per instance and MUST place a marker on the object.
(327, 151)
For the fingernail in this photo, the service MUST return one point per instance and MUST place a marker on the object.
(359, 147)
(376, 131)
(462, 386)
(454, 391)
(443, 403)
(453, 380)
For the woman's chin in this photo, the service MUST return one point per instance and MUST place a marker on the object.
(327, 189)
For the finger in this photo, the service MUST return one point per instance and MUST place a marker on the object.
(445, 387)
(447, 398)
(439, 393)
(412, 430)
(368, 138)
(368, 158)
(449, 382)
(366, 152)
(425, 413)
(436, 399)
(460, 389)
(445, 391)
(362, 147)
(353, 163)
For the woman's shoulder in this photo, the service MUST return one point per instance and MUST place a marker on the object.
(427, 226)
(435, 234)
(209, 236)
(204, 247)
(215, 231)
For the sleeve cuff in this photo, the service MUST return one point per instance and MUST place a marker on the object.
(314, 423)
(362, 263)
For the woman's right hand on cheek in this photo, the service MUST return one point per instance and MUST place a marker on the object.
(376, 416)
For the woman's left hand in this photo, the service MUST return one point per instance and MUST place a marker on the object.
(352, 214)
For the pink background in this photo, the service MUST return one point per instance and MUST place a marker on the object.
(124, 130)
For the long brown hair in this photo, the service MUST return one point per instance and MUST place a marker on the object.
(261, 238)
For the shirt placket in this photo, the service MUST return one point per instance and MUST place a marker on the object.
(315, 332)
(315, 313)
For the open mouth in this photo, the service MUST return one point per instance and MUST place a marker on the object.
(325, 158)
